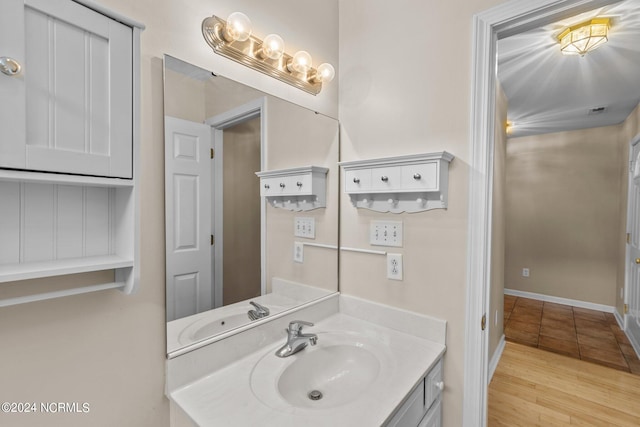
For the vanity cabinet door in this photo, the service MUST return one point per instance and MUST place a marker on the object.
(69, 109)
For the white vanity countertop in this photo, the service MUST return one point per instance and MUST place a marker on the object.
(226, 397)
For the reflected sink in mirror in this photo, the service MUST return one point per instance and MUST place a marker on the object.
(341, 368)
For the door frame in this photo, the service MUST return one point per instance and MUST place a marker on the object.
(627, 254)
(218, 123)
(501, 21)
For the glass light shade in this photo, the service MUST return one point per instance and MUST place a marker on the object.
(325, 73)
(272, 47)
(238, 27)
(301, 62)
(585, 37)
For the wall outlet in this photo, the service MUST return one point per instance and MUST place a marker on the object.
(386, 233)
(394, 266)
(525, 272)
(304, 227)
(298, 252)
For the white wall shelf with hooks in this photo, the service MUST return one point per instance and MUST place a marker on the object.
(412, 183)
(295, 189)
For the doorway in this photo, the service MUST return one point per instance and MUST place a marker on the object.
(502, 21)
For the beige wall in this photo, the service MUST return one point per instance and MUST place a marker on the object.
(495, 319)
(107, 348)
(303, 138)
(402, 98)
(188, 97)
(241, 205)
(563, 205)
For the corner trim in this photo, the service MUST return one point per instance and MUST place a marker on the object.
(559, 300)
(495, 359)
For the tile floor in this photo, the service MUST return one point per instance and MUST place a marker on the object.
(585, 334)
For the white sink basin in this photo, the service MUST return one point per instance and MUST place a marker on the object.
(340, 369)
(205, 328)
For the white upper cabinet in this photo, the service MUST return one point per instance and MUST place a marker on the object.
(69, 109)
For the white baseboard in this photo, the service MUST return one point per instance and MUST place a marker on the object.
(495, 359)
(559, 300)
(619, 319)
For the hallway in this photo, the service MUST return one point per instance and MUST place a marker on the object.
(589, 335)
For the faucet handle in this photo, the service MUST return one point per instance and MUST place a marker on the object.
(296, 325)
(261, 308)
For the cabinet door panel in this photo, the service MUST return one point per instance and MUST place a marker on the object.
(77, 91)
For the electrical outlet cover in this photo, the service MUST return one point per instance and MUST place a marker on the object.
(298, 252)
(394, 266)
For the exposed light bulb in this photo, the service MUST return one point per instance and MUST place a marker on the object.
(301, 62)
(238, 27)
(325, 73)
(272, 47)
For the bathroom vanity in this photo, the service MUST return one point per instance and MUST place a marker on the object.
(385, 370)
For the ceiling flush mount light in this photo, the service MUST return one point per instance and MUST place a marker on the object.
(582, 38)
(233, 39)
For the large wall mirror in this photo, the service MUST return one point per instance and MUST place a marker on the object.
(229, 252)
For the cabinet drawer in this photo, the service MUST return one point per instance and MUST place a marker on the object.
(271, 186)
(433, 385)
(423, 177)
(433, 418)
(385, 179)
(298, 185)
(411, 412)
(357, 180)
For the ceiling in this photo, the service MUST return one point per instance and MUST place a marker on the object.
(551, 92)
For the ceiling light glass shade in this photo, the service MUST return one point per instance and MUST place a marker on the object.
(301, 62)
(272, 47)
(238, 27)
(325, 73)
(585, 37)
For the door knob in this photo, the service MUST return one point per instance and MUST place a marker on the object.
(637, 260)
(9, 66)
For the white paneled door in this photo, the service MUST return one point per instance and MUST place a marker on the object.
(69, 109)
(188, 189)
(632, 317)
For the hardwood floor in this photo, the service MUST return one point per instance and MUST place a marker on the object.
(534, 387)
(577, 332)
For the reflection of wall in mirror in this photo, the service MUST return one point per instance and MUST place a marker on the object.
(303, 138)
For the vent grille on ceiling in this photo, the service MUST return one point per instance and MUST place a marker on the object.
(597, 110)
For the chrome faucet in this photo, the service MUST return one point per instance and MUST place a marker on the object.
(296, 340)
(260, 311)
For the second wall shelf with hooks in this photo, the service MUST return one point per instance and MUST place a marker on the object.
(412, 183)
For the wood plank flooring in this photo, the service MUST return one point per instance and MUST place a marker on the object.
(534, 387)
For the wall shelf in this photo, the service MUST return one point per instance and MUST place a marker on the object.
(413, 183)
(59, 267)
(295, 189)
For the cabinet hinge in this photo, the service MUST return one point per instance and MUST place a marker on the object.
(212, 153)
(483, 322)
(626, 308)
(628, 237)
(213, 240)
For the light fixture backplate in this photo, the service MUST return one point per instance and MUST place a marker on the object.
(245, 53)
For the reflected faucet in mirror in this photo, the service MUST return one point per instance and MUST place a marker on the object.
(259, 312)
(226, 247)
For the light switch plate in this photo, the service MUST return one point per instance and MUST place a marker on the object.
(304, 227)
(298, 252)
(386, 233)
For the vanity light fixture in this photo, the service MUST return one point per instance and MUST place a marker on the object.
(233, 39)
(585, 37)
